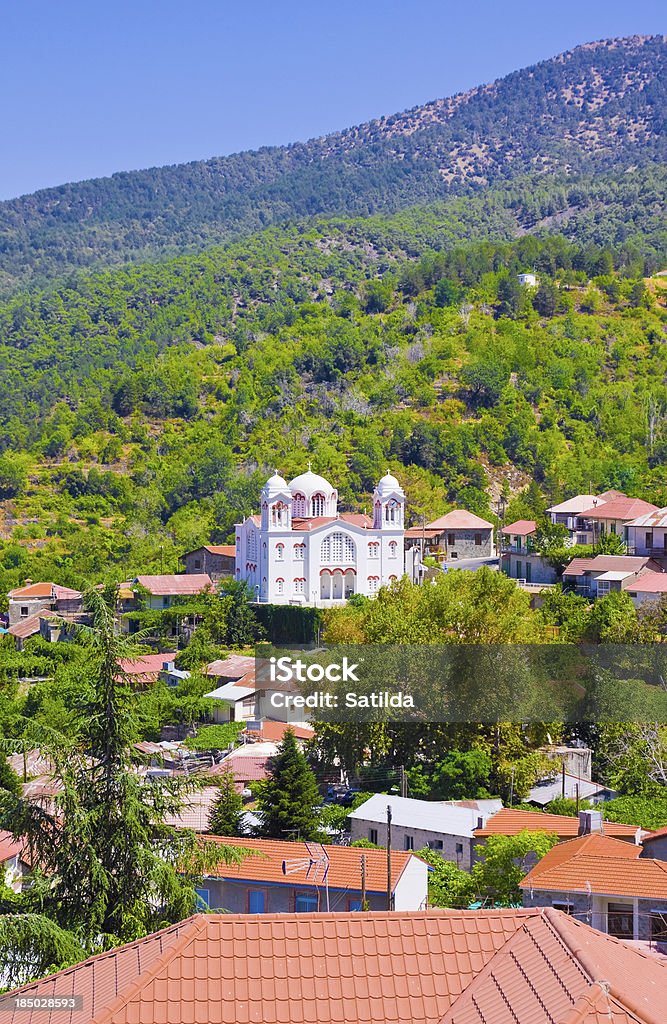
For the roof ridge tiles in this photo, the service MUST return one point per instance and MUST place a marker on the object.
(587, 961)
(195, 926)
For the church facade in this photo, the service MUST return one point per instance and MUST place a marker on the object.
(302, 550)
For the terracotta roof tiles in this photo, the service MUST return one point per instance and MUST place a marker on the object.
(460, 519)
(521, 528)
(511, 820)
(433, 967)
(183, 585)
(344, 864)
(598, 864)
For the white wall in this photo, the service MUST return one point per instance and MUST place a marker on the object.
(411, 892)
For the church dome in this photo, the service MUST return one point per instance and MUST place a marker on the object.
(310, 483)
(275, 484)
(388, 483)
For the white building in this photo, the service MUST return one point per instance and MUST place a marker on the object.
(528, 280)
(302, 550)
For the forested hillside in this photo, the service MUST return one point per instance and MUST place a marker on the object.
(142, 408)
(597, 108)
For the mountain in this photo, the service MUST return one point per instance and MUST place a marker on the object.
(142, 407)
(597, 108)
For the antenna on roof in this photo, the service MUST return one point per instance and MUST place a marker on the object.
(316, 866)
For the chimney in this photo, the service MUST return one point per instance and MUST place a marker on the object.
(27, 581)
(589, 821)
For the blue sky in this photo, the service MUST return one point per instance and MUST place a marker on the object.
(89, 88)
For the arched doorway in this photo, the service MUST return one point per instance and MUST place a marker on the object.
(325, 585)
(337, 585)
(350, 583)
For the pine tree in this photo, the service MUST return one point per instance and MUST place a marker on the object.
(290, 795)
(226, 817)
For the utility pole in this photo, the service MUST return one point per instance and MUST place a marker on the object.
(563, 782)
(363, 882)
(388, 856)
(404, 781)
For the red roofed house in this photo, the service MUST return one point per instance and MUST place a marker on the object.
(433, 967)
(31, 605)
(605, 883)
(147, 668)
(519, 558)
(647, 535)
(457, 534)
(647, 588)
(162, 590)
(596, 577)
(217, 560)
(511, 820)
(259, 885)
(612, 516)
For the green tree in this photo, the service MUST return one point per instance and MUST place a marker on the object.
(448, 884)
(115, 870)
(289, 796)
(545, 299)
(505, 860)
(226, 818)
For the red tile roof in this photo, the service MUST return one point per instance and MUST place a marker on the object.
(353, 518)
(9, 847)
(274, 731)
(229, 550)
(432, 967)
(521, 528)
(49, 590)
(650, 583)
(510, 820)
(598, 864)
(184, 584)
(610, 563)
(148, 666)
(26, 627)
(620, 508)
(196, 810)
(344, 864)
(460, 519)
(246, 768)
(232, 667)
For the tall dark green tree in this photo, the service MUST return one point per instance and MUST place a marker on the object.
(115, 870)
(226, 818)
(290, 795)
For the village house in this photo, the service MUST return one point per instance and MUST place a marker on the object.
(570, 787)
(511, 820)
(611, 517)
(655, 845)
(649, 588)
(605, 883)
(455, 535)
(160, 592)
(599, 576)
(216, 560)
(519, 557)
(447, 827)
(572, 515)
(450, 966)
(293, 877)
(647, 535)
(34, 607)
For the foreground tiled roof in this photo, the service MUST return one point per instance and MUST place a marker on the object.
(460, 519)
(182, 585)
(48, 590)
(599, 864)
(344, 864)
(510, 820)
(433, 967)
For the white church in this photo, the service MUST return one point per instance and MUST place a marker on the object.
(302, 550)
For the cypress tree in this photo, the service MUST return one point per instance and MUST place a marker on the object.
(290, 795)
(226, 818)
